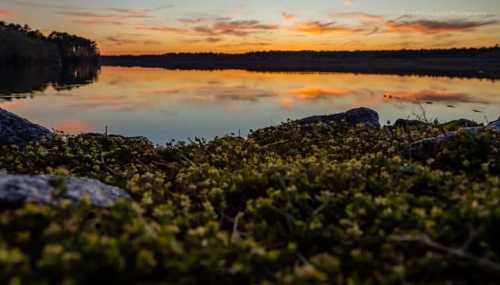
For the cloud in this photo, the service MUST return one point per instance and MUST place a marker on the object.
(130, 38)
(424, 26)
(205, 40)
(161, 92)
(131, 13)
(41, 5)
(361, 16)
(119, 41)
(115, 103)
(245, 44)
(119, 14)
(235, 27)
(287, 17)
(433, 96)
(5, 13)
(164, 29)
(151, 42)
(224, 26)
(198, 20)
(231, 93)
(73, 127)
(311, 93)
(111, 16)
(12, 105)
(317, 28)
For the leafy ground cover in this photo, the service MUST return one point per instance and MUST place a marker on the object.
(291, 204)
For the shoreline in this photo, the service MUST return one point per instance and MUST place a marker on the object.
(464, 63)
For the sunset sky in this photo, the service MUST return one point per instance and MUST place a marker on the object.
(159, 26)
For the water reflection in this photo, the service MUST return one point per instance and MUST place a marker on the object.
(22, 82)
(169, 104)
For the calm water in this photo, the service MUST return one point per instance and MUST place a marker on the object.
(168, 104)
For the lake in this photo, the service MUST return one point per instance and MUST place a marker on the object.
(166, 105)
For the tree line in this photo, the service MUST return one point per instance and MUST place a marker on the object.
(456, 62)
(21, 45)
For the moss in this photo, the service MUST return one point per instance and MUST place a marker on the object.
(317, 204)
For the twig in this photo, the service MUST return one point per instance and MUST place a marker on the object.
(458, 253)
(235, 236)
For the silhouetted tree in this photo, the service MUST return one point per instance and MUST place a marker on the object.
(73, 48)
(20, 45)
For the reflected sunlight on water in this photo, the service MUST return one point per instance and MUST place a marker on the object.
(169, 104)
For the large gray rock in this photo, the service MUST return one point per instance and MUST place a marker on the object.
(495, 125)
(429, 147)
(356, 116)
(460, 123)
(18, 131)
(16, 189)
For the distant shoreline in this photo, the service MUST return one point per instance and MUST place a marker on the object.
(467, 63)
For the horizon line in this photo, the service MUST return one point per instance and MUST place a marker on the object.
(310, 50)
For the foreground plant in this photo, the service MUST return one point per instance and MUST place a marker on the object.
(293, 204)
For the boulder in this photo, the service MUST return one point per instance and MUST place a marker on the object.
(45, 189)
(429, 147)
(495, 125)
(15, 130)
(353, 117)
(460, 123)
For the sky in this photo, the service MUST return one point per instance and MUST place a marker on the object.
(234, 26)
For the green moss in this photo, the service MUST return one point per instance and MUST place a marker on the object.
(290, 204)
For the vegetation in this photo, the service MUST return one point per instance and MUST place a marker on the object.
(21, 46)
(292, 204)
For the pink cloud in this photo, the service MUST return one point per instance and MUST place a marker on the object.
(73, 127)
(5, 13)
(317, 28)
(408, 24)
(165, 29)
(287, 17)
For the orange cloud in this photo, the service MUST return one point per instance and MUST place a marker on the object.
(435, 26)
(5, 13)
(193, 20)
(287, 17)
(12, 105)
(73, 127)
(161, 92)
(164, 29)
(310, 93)
(317, 27)
(287, 103)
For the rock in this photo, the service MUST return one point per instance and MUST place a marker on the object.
(400, 123)
(429, 147)
(17, 189)
(460, 123)
(268, 135)
(495, 125)
(18, 131)
(362, 115)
